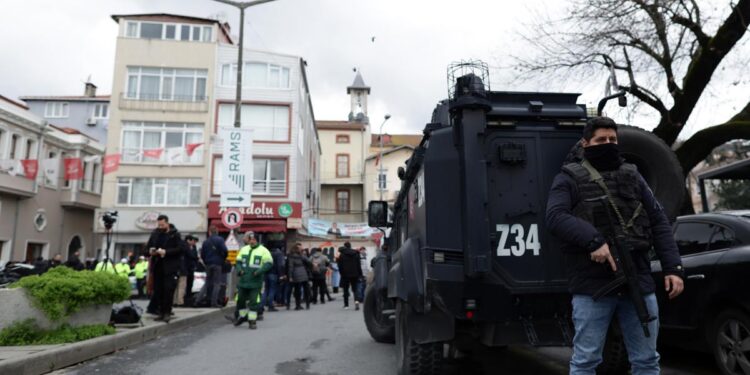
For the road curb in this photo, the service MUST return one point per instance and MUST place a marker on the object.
(70, 354)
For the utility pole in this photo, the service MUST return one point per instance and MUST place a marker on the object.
(380, 157)
(242, 6)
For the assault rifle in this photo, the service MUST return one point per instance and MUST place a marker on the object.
(626, 274)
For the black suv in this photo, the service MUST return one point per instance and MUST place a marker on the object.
(713, 313)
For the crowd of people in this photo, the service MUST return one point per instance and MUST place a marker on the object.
(266, 279)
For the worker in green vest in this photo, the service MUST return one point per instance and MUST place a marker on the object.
(141, 270)
(122, 269)
(253, 261)
(105, 265)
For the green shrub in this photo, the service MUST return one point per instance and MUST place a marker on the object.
(28, 333)
(62, 291)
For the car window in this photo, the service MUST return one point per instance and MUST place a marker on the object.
(693, 238)
(721, 239)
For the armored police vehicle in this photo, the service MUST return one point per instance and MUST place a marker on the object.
(469, 257)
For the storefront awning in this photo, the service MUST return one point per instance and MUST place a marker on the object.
(273, 226)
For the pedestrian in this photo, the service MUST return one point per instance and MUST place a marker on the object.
(362, 284)
(105, 265)
(214, 253)
(191, 264)
(122, 269)
(140, 270)
(56, 261)
(165, 247)
(40, 265)
(320, 266)
(272, 279)
(576, 216)
(74, 261)
(335, 276)
(298, 272)
(253, 261)
(351, 271)
(178, 299)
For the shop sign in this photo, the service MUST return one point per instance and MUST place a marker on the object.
(261, 210)
(147, 221)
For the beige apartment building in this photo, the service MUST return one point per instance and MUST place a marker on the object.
(345, 147)
(47, 214)
(382, 163)
(161, 122)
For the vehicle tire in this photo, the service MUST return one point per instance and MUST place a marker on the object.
(730, 329)
(413, 358)
(656, 162)
(381, 327)
(615, 355)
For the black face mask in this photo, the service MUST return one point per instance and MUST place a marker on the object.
(603, 157)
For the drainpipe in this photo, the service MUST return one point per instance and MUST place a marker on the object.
(15, 227)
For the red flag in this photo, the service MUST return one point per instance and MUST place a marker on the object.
(153, 153)
(30, 168)
(111, 163)
(73, 169)
(190, 148)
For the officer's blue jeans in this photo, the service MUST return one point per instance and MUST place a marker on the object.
(269, 293)
(591, 319)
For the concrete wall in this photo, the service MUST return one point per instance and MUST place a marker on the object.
(16, 306)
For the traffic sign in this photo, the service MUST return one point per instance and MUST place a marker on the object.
(232, 218)
(231, 242)
(236, 167)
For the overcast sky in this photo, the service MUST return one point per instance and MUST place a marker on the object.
(49, 47)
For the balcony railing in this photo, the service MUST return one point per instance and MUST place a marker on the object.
(170, 103)
(135, 155)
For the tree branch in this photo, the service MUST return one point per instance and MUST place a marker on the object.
(696, 29)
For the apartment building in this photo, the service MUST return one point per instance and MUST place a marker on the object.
(87, 113)
(160, 123)
(286, 150)
(382, 163)
(50, 183)
(345, 148)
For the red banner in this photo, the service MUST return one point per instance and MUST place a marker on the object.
(190, 148)
(153, 153)
(30, 168)
(73, 169)
(111, 163)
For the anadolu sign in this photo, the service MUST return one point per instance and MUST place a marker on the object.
(261, 210)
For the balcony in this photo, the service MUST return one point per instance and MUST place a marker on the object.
(262, 187)
(135, 156)
(173, 103)
(80, 199)
(17, 185)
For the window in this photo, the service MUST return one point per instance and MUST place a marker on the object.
(101, 110)
(30, 149)
(3, 133)
(382, 180)
(34, 251)
(166, 84)
(66, 182)
(131, 29)
(206, 34)
(342, 201)
(170, 32)
(269, 176)
(171, 137)
(56, 110)
(342, 138)
(256, 75)
(151, 30)
(15, 147)
(269, 122)
(692, 238)
(174, 192)
(722, 238)
(342, 165)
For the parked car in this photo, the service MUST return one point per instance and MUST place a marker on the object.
(713, 313)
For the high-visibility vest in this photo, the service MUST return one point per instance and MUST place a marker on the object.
(141, 269)
(122, 269)
(100, 267)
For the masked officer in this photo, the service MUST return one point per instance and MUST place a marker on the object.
(123, 269)
(253, 261)
(575, 214)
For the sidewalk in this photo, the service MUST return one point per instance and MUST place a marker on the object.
(41, 359)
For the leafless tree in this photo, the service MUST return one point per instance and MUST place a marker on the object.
(669, 50)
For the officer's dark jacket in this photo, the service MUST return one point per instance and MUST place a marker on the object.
(173, 244)
(580, 238)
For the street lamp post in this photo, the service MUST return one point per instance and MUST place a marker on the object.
(241, 6)
(380, 156)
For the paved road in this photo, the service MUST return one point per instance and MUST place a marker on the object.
(326, 340)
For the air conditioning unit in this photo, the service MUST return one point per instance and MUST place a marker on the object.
(91, 121)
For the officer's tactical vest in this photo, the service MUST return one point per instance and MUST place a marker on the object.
(624, 192)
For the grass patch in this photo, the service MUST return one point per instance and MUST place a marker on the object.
(28, 333)
(62, 291)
